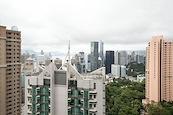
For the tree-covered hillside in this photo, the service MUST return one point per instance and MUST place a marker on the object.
(135, 69)
(162, 108)
(124, 97)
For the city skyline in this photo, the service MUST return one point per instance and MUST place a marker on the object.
(86, 57)
(121, 25)
(62, 55)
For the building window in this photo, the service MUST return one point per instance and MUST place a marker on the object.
(94, 85)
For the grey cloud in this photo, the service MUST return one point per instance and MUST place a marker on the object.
(51, 24)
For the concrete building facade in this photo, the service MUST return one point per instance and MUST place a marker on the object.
(123, 71)
(159, 74)
(116, 60)
(24, 57)
(94, 55)
(118, 70)
(115, 70)
(29, 66)
(47, 62)
(41, 60)
(58, 62)
(65, 92)
(141, 59)
(101, 54)
(123, 59)
(10, 71)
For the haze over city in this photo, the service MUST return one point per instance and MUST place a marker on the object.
(121, 25)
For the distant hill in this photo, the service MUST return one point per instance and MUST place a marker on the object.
(30, 51)
(53, 53)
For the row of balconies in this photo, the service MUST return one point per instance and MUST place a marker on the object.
(82, 103)
(40, 108)
(40, 91)
(82, 94)
(41, 100)
(81, 111)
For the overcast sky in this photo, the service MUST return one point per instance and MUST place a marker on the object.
(121, 24)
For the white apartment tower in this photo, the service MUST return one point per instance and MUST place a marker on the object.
(65, 92)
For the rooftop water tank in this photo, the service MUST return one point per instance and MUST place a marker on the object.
(14, 28)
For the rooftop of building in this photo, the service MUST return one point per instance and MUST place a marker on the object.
(3, 26)
(73, 73)
(30, 59)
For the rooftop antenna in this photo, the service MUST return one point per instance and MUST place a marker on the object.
(69, 53)
(68, 62)
(67, 58)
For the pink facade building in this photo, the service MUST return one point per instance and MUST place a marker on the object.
(159, 70)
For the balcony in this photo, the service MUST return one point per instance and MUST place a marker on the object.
(34, 100)
(34, 91)
(29, 112)
(30, 104)
(29, 96)
(44, 91)
(81, 91)
(49, 105)
(44, 108)
(92, 92)
(93, 110)
(93, 101)
(69, 90)
(82, 100)
(69, 99)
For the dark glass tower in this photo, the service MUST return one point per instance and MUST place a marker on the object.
(109, 60)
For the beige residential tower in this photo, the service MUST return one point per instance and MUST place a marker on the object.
(159, 70)
(10, 71)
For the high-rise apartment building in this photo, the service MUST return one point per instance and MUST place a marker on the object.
(10, 71)
(27, 69)
(159, 70)
(65, 92)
